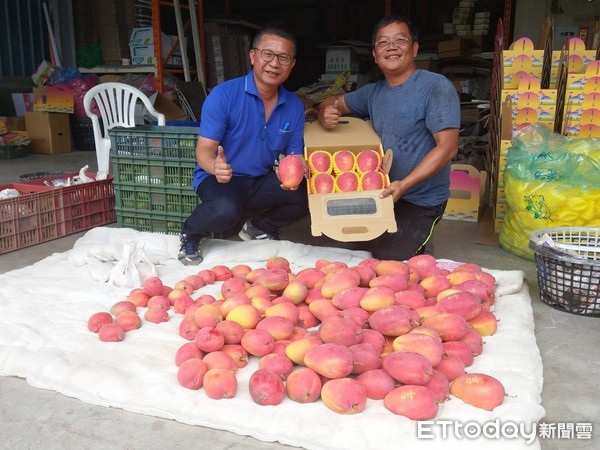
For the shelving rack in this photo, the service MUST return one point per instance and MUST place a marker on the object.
(195, 19)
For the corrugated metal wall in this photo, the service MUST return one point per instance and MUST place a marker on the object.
(23, 37)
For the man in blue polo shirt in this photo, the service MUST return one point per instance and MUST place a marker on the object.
(246, 124)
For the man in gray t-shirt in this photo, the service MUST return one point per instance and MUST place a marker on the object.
(416, 113)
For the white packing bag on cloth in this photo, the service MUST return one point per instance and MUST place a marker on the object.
(98, 267)
(144, 266)
(133, 267)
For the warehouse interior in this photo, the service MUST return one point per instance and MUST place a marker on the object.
(93, 42)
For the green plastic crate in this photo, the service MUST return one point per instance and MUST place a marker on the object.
(156, 199)
(152, 171)
(13, 151)
(168, 142)
(145, 221)
(161, 222)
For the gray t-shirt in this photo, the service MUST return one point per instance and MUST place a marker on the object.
(405, 118)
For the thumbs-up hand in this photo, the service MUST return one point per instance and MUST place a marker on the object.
(329, 116)
(221, 169)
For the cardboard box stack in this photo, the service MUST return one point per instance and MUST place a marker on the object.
(116, 20)
(521, 101)
(48, 124)
(569, 103)
(141, 47)
(469, 30)
(581, 99)
(227, 49)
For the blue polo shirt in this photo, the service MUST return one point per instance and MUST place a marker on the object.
(234, 115)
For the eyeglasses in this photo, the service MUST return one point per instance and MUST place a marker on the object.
(268, 56)
(400, 42)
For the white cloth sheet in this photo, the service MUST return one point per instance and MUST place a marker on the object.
(44, 339)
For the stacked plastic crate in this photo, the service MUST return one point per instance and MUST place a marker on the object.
(152, 169)
(41, 213)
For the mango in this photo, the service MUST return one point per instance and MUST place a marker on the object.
(266, 387)
(277, 326)
(426, 345)
(394, 281)
(220, 383)
(464, 303)
(128, 320)
(485, 323)
(209, 339)
(473, 339)
(461, 350)
(303, 385)
(413, 402)
(407, 367)
(219, 360)
(340, 331)
(377, 382)
(366, 357)
(237, 353)
(393, 320)
(258, 342)
(451, 326)
(232, 331)
(451, 366)
(191, 373)
(392, 266)
(278, 363)
(291, 171)
(98, 319)
(330, 360)
(344, 396)
(309, 276)
(374, 338)
(187, 351)
(377, 298)
(479, 390)
(296, 350)
(439, 385)
(411, 299)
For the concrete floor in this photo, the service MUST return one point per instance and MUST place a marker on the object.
(33, 418)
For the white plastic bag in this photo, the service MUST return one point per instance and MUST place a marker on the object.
(98, 267)
(144, 266)
(125, 272)
(82, 177)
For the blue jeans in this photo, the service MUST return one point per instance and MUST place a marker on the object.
(223, 204)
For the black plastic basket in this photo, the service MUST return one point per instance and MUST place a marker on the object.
(83, 135)
(569, 273)
(38, 175)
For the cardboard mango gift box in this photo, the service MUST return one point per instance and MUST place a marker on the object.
(349, 216)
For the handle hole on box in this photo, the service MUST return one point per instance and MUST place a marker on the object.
(354, 230)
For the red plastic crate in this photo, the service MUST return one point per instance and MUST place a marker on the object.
(33, 217)
(85, 205)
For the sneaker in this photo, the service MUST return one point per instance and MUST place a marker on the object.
(189, 254)
(250, 233)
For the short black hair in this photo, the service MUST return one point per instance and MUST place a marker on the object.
(393, 18)
(277, 28)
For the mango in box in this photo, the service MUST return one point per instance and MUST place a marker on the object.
(355, 215)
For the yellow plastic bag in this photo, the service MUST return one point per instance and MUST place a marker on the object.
(549, 181)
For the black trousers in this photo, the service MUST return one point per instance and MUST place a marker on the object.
(223, 204)
(415, 228)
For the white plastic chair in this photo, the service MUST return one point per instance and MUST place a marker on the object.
(117, 105)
